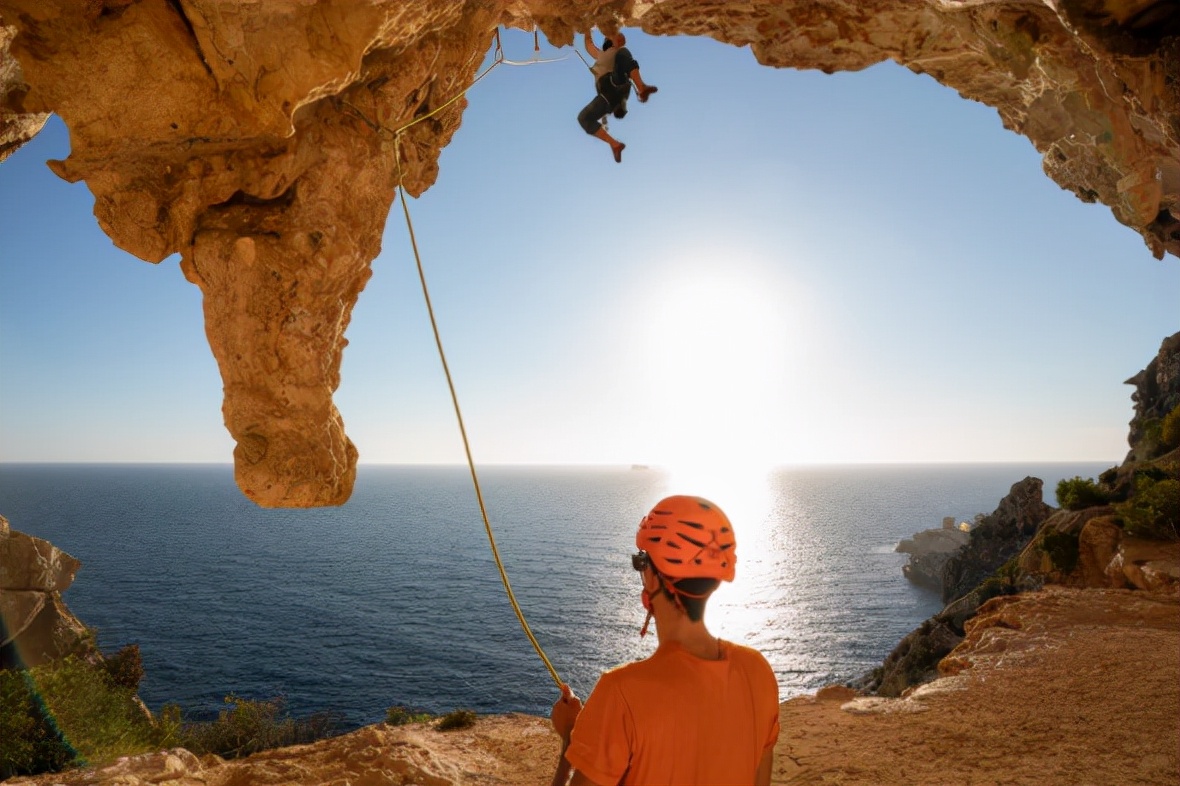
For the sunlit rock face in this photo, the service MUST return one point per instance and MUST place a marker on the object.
(263, 141)
(35, 625)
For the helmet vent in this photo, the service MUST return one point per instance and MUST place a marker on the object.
(693, 524)
(693, 541)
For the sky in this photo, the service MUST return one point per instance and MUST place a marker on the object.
(787, 267)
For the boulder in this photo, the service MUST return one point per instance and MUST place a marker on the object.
(1098, 543)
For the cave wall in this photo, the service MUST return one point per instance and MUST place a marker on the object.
(256, 138)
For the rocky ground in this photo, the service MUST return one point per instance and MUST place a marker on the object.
(1060, 686)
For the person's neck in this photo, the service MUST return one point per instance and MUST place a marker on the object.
(674, 626)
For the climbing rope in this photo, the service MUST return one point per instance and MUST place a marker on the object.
(536, 58)
(499, 58)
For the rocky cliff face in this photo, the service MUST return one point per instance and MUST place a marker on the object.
(1092, 547)
(264, 141)
(35, 625)
(997, 539)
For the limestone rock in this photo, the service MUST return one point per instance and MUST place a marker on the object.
(1150, 565)
(35, 625)
(1098, 543)
(264, 141)
(16, 125)
(28, 563)
(1057, 554)
(1157, 392)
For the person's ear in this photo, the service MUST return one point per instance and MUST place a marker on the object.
(651, 581)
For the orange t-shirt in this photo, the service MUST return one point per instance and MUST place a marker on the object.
(677, 719)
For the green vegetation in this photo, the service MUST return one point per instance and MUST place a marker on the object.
(74, 712)
(1154, 510)
(68, 713)
(400, 716)
(457, 719)
(1062, 548)
(248, 726)
(1004, 581)
(1170, 430)
(1078, 493)
(993, 587)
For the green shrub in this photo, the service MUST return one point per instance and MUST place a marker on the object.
(1170, 430)
(124, 669)
(456, 719)
(400, 716)
(993, 587)
(1062, 548)
(68, 713)
(1154, 510)
(73, 713)
(249, 726)
(29, 741)
(1078, 493)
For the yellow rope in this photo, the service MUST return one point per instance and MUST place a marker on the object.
(459, 415)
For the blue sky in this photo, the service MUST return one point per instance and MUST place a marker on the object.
(787, 267)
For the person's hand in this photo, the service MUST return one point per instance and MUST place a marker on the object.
(565, 713)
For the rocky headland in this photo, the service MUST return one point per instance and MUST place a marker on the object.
(929, 550)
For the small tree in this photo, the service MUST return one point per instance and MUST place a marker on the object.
(1078, 493)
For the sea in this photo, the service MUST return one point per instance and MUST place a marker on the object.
(394, 599)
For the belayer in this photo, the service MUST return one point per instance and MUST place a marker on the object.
(699, 710)
(614, 70)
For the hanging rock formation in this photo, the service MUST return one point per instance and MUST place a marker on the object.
(256, 140)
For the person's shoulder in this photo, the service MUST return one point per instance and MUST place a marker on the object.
(747, 655)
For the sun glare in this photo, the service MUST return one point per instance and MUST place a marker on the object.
(717, 350)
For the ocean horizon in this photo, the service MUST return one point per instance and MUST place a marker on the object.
(393, 598)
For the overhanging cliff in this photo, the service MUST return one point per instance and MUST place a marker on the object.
(253, 139)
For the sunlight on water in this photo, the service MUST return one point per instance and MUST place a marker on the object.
(754, 601)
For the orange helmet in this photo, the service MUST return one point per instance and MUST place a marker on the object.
(688, 538)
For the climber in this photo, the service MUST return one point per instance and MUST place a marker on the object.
(699, 710)
(614, 70)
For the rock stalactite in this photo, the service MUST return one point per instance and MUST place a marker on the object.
(254, 140)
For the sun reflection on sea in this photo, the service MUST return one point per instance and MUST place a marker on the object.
(753, 609)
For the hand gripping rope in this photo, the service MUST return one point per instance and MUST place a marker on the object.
(396, 136)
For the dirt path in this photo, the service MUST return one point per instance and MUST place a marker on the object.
(1057, 687)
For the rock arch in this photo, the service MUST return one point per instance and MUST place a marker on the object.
(241, 136)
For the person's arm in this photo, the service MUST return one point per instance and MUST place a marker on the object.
(594, 51)
(564, 715)
(765, 767)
